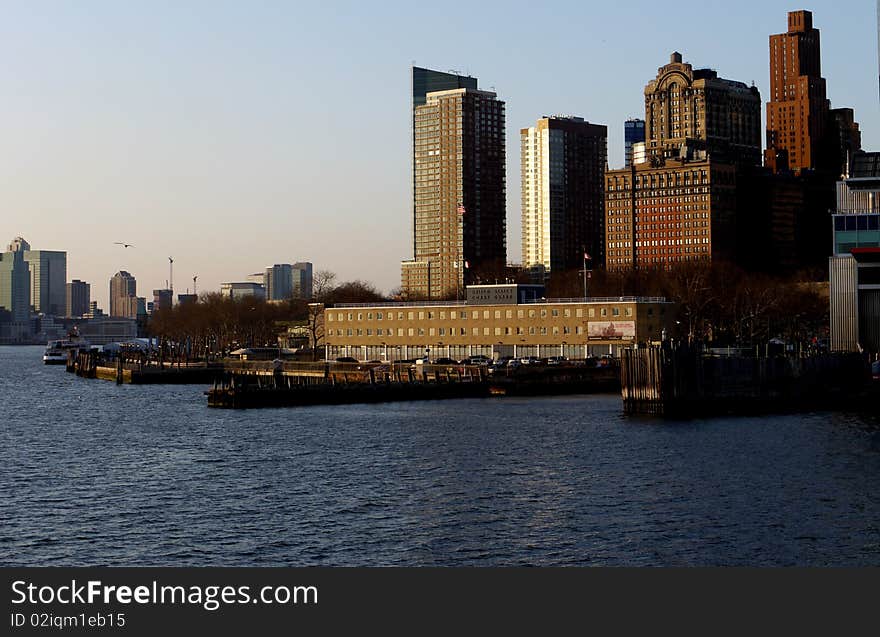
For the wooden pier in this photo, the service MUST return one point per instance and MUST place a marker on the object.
(685, 382)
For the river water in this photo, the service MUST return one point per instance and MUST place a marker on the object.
(97, 474)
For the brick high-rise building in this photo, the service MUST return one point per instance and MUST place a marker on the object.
(680, 211)
(563, 163)
(459, 233)
(797, 113)
(695, 109)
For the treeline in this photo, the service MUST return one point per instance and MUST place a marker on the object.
(720, 303)
(215, 325)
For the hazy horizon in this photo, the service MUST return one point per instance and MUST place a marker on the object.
(232, 136)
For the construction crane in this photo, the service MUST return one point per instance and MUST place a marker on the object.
(195, 290)
(171, 274)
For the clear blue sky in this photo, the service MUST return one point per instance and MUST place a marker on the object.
(233, 135)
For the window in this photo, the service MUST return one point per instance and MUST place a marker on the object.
(508, 314)
(554, 313)
(475, 314)
(475, 331)
(604, 311)
(421, 316)
(615, 311)
(580, 313)
(411, 315)
(369, 316)
(628, 311)
(485, 314)
(592, 312)
(411, 332)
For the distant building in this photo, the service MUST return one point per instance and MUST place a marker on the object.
(78, 297)
(257, 277)
(184, 299)
(48, 269)
(633, 133)
(847, 140)
(94, 311)
(279, 282)
(797, 113)
(104, 330)
(459, 228)
(242, 290)
(15, 284)
(123, 288)
(302, 280)
(163, 299)
(563, 162)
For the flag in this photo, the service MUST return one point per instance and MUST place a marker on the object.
(461, 209)
(587, 257)
(467, 265)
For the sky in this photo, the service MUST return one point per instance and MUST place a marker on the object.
(234, 135)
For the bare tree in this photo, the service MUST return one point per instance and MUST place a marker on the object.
(323, 284)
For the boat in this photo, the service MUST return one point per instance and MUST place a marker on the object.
(57, 350)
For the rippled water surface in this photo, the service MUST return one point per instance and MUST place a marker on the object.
(95, 474)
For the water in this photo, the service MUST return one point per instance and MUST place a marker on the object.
(95, 474)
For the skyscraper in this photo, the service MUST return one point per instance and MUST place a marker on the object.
(426, 81)
(15, 286)
(48, 281)
(123, 288)
(279, 282)
(460, 204)
(302, 280)
(797, 113)
(563, 194)
(696, 109)
(78, 298)
(633, 133)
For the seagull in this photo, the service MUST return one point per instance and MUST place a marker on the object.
(124, 245)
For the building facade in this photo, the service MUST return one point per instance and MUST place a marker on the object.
(15, 284)
(78, 297)
(459, 229)
(48, 270)
(854, 267)
(242, 289)
(696, 109)
(660, 214)
(633, 133)
(563, 161)
(123, 288)
(279, 282)
(162, 299)
(575, 328)
(426, 81)
(302, 280)
(797, 113)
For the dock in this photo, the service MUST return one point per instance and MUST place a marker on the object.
(686, 382)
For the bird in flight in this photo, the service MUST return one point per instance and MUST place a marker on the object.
(124, 245)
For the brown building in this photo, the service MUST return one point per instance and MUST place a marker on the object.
(493, 324)
(698, 110)
(797, 113)
(667, 212)
(460, 204)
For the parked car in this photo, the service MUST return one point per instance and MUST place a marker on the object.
(529, 360)
(445, 361)
(557, 360)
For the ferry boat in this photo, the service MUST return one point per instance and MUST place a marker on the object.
(56, 351)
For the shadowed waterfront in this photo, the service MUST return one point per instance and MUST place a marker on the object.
(94, 473)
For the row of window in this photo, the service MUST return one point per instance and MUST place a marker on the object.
(461, 331)
(430, 315)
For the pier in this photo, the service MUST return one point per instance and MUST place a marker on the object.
(687, 381)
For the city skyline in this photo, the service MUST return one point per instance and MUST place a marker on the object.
(222, 163)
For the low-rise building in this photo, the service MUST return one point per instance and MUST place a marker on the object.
(510, 325)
